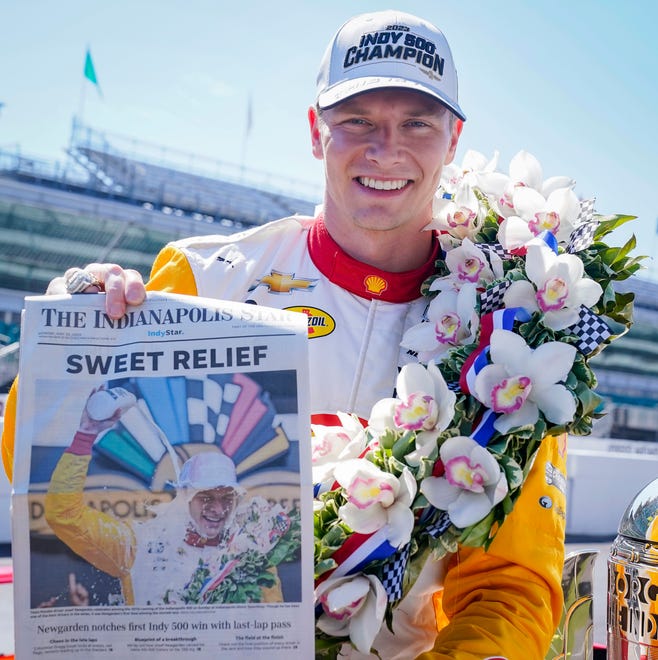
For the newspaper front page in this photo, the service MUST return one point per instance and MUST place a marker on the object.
(162, 501)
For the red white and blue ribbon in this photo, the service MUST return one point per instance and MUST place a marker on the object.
(478, 359)
(500, 319)
(358, 551)
(485, 428)
(214, 581)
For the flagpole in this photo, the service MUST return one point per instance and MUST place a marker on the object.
(81, 105)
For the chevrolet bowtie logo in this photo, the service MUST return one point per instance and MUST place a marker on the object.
(278, 282)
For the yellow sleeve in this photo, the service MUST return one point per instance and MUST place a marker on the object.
(508, 600)
(104, 541)
(171, 272)
(9, 431)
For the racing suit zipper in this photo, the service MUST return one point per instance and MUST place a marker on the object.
(360, 365)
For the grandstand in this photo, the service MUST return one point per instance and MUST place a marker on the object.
(119, 199)
(115, 199)
(102, 204)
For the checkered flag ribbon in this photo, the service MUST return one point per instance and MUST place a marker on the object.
(591, 330)
(583, 235)
(393, 573)
(439, 526)
(492, 298)
(495, 248)
(586, 213)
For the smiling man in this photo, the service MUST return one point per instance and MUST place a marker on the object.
(384, 151)
(211, 509)
(385, 121)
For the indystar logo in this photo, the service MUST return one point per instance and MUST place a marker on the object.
(278, 282)
(320, 324)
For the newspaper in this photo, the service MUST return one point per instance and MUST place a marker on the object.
(162, 500)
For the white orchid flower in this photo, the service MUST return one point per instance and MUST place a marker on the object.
(353, 605)
(460, 216)
(557, 288)
(535, 214)
(473, 166)
(472, 485)
(525, 172)
(451, 321)
(525, 169)
(332, 444)
(467, 263)
(377, 499)
(424, 404)
(521, 381)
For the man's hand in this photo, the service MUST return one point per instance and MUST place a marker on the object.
(122, 287)
(78, 594)
(96, 426)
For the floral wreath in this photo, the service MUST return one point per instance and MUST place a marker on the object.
(521, 300)
(264, 536)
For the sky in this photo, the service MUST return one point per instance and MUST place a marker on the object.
(574, 82)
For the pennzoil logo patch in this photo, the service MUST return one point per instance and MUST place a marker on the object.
(278, 282)
(320, 324)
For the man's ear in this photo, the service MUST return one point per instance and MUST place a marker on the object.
(457, 127)
(314, 125)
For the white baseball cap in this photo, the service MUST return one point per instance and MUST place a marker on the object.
(207, 470)
(388, 49)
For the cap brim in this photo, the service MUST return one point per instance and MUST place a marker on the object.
(348, 88)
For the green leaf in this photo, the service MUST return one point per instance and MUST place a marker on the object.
(609, 223)
(513, 471)
(404, 445)
(475, 535)
(323, 566)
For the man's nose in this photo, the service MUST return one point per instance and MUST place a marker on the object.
(216, 506)
(384, 147)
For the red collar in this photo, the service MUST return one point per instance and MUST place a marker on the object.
(195, 539)
(364, 280)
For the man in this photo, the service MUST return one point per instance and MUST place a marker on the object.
(385, 122)
(156, 560)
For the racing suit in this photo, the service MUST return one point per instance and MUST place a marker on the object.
(472, 604)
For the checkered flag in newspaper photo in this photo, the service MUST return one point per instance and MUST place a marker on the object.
(583, 235)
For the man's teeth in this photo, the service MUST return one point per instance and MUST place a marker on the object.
(378, 184)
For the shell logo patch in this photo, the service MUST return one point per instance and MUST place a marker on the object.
(320, 324)
(375, 284)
